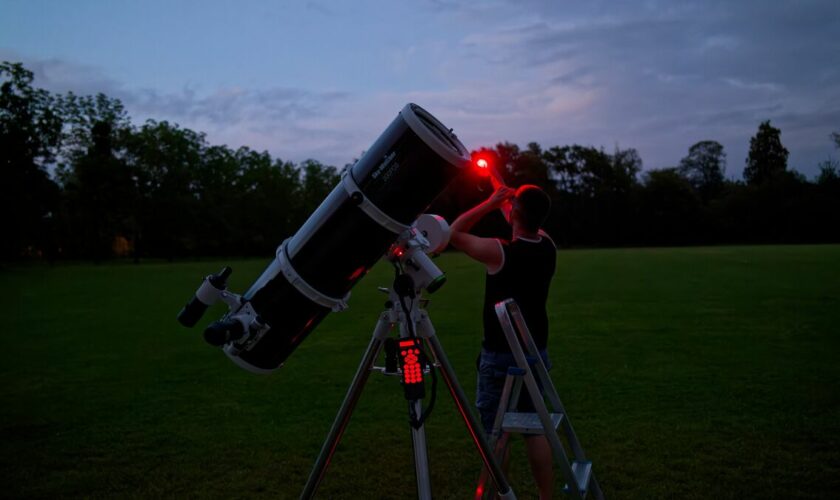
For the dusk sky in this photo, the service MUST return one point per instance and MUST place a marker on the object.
(318, 79)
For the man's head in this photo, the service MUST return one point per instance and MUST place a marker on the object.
(531, 206)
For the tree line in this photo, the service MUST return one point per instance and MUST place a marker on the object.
(604, 198)
(154, 190)
(81, 181)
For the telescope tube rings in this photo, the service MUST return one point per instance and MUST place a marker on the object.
(305, 288)
(368, 207)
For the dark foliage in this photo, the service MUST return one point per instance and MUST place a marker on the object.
(768, 157)
(30, 133)
(704, 167)
(80, 181)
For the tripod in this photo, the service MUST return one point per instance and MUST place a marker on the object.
(403, 308)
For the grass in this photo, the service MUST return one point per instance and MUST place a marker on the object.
(688, 373)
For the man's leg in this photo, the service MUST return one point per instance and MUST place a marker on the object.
(542, 464)
(488, 395)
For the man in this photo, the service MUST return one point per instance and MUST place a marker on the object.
(520, 269)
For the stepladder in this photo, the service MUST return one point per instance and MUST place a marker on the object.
(552, 420)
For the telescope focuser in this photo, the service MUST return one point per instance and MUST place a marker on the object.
(242, 325)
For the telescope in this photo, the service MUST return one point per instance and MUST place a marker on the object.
(375, 204)
(374, 211)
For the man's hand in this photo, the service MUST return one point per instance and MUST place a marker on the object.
(499, 197)
(505, 194)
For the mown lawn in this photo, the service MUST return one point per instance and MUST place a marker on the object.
(688, 373)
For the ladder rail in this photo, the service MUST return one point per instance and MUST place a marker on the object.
(507, 391)
(536, 396)
(532, 349)
(509, 313)
(551, 391)
(498, 440)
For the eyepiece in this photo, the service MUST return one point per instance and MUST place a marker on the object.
(206, 295)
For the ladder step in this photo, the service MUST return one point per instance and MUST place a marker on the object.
(528, 423)
(583, 472)
(516, 371)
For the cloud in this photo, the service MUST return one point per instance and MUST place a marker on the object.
(659, 76)
(232, 106)
(58, 75)
(291, 123)
(320, 7)
(653, 74)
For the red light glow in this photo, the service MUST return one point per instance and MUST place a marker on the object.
(483, 167)
(412, 372)
(357, 273)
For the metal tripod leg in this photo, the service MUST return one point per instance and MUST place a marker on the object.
(427, 331)
(421, 456)
(415, 408)
(346, 410)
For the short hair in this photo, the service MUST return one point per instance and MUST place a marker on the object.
(534, 206)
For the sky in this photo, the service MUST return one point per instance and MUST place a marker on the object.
(319, 79)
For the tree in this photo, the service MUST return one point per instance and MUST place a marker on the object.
(507, 155)
(829, 168)
(99, 196)
(704, 167)
(81, 114)
(594, 190)
(530, 168)
(767, 157)
(318, 181)
(269, 201)
(164, 159)
(669, 208)
(30, 134)
(828, 172)
(100, 192)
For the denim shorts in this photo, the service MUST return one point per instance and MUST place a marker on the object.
(492, 370)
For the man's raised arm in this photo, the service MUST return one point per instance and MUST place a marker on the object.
(488, 251)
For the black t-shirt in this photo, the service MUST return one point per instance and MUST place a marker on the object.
(525, 276)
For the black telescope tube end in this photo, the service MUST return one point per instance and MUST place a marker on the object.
(436, 284)
(192, 312)
(219, 333)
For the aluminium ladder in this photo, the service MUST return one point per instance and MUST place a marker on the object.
(580, 479)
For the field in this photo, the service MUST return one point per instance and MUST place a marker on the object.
(688, 373)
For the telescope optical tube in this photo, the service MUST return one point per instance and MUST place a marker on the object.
(378, 198)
